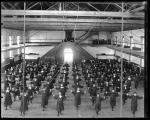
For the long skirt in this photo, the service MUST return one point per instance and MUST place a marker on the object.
(8, 100)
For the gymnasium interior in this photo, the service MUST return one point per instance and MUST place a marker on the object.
(45, 32)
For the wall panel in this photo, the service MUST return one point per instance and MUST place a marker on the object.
(46, 36)
(98, 50)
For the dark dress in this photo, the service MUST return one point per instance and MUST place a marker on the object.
(8, 99)
(113, 100)
(98, 104)
(63, 91)
(44, 99)
(77, 98)
(124, 98)
(134, 103)
(24, 104)
(30, 93)
(93, 92)
(60, 104)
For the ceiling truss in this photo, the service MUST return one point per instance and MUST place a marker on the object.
(83, 15)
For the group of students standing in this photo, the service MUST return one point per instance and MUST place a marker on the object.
(101, 78)
(103, 81)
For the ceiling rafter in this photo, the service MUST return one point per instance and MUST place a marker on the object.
(70, 24)
(29, 4)
(131, 7)
(33, 5)
(118, 6)
(72, 20)
(41, 5)
(12, 6)
(71, 13)
(93, 7)
(2, 4)
(52, 5)
(55, 7)
(138, 9)
(77, 6)
(106, 7)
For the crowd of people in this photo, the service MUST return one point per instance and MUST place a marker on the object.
(102, 78)
(37, 76)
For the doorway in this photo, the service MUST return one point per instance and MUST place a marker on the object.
(68, 55)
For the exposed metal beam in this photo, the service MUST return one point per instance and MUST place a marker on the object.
(118, 6)
(139, 3)
(71, 24)
(93, 7)
(71, 13)
(114, 29)
(13, 7)
(32, 5)
(52, 6)
(98, 2)
(72, 20)
(77, 6)
(138, 9)
(106, 7)
(41, 5)
(3, 6)
(60, 9)
(132, 6)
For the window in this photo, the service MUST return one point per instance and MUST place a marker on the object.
(18, 40)
(10, 53)
(68, 55)
(10, 41)
(18, 51)
(2, 58)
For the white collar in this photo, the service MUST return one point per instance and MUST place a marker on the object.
(7, 90)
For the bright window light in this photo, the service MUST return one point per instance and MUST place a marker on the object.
(18, 51)
(2, 57)
(18, 40)
(10, 53)
(10, 40)
(68, 55)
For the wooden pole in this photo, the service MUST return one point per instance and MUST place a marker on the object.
(24, 58)
(121, 64)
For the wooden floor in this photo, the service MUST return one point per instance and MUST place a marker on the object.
(86, 109)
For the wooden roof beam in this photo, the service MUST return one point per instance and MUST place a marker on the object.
(118, 6)
(77, 6)
(32, 6)
(66, 24)
(13, 7)
(72, 20)
(2, 4)
(71, 13)
(138, 9)
(132, 6)
(52, 6)
(93, 7)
